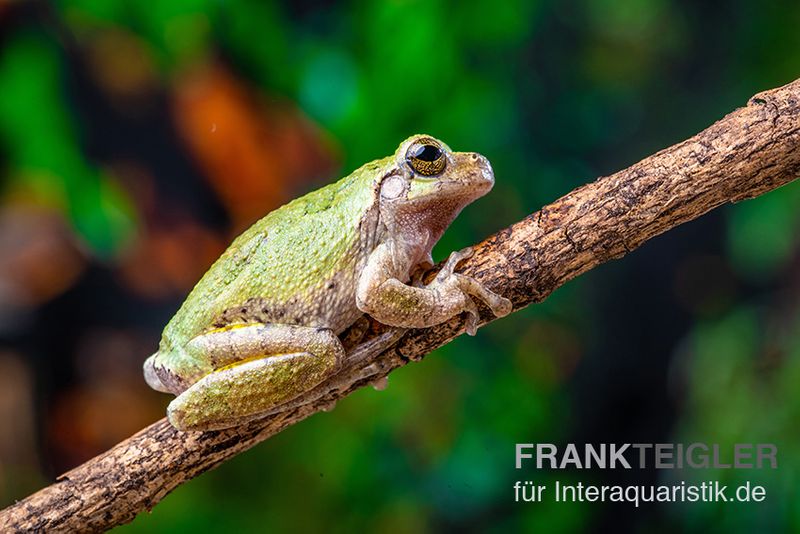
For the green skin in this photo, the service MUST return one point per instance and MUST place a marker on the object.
(261, 328)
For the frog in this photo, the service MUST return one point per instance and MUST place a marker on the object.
(267, 322)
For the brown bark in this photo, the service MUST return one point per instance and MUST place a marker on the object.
(749, 152)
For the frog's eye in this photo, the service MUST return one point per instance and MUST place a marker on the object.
(426, 157)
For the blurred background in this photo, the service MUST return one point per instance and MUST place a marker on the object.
(137, 138)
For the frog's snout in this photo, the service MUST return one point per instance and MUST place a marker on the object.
(483, 174)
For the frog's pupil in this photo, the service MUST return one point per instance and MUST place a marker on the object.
(427, 153)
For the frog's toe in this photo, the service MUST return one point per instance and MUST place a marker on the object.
(500, 306)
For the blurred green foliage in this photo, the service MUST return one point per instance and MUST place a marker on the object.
(40, 137)
(554, 93)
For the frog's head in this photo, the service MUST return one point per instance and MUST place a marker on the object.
(428, 185)
(434, 173)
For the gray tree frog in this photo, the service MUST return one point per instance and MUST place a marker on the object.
(262, 326)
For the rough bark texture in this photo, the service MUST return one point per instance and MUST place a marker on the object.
(751, 151)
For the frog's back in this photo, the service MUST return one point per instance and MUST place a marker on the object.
(297, 265)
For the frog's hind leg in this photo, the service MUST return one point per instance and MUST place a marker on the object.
(356, 357)
(258, 368)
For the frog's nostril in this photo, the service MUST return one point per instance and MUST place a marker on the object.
(483, 164)
(477, 159)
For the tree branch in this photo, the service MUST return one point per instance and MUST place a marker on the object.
(749, 152)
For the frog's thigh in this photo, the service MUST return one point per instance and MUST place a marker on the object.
(248, 388)
(235, 343)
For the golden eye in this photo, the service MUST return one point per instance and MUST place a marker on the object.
(426, 157)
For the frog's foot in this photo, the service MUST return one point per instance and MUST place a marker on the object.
(500, 306)
(394, 303)
(449, 282)
(452, 262)
(264, 367)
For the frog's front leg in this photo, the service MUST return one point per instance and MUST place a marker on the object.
(258, 368)
(382, 295)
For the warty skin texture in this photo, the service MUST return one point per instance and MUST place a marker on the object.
(261, 326)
